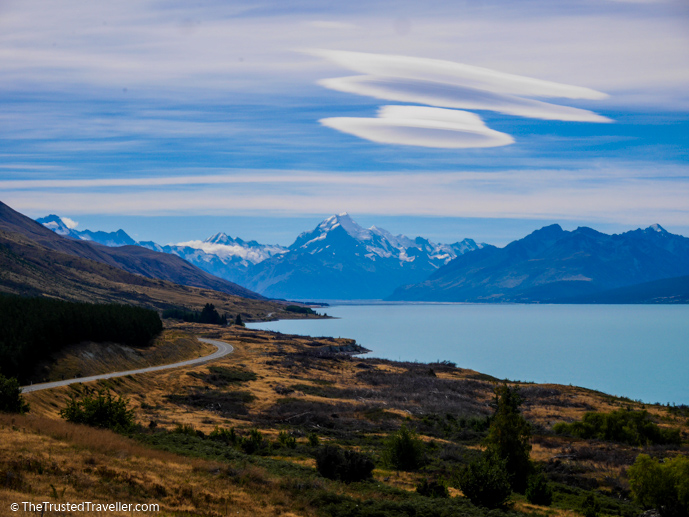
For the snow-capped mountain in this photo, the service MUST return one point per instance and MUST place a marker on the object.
(336, 260)
(226, 248)
(221, 255)
(67, 228)
(381, 244)
(341, 260)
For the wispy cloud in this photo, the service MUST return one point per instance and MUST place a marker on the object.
(616, 195)
(70, 223)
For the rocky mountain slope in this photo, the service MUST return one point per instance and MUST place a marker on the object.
(341, 260)
(132, 259)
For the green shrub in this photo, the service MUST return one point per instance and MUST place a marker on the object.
(508, 436)
(590, 507)
(538, 491)
(404, 450)
(287, 440)
(253, 443)
(625, 426)
(188, 429)
(314, 441)
(485, 481)
(299, 309)
(229, 437)
(11, 400)
(101, 410)
(663, 486)
(432, 489)
(349, 466)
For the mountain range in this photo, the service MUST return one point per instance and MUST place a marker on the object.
(554, 265)
(339, 259)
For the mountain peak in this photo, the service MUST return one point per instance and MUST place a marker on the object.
(348, 225)
(656, 228)
(219, 238)
(57, 224)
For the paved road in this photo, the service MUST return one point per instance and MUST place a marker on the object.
(223, 350)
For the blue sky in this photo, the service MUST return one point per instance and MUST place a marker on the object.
(447, 120)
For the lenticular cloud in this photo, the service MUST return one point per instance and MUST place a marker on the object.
(461, 97)
(422, 126)
(444, 84)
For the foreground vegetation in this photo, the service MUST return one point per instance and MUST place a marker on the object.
(298, 426)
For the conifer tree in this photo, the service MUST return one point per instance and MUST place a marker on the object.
(508, 436)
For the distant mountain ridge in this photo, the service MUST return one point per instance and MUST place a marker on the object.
(341, 260)
(132, 259)
(111, 239)
(552, 265)
(221, 255)
(337, 260)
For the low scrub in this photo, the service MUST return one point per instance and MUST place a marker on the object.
(538, 491)
(11, 400)
(100, 410)
(226, 403)
(222, 376)
(662, 486)
(405, 450)
(345, 465)
(432, 489)
(485, 481)
(624, 426)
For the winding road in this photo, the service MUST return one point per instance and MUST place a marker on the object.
(223, 350)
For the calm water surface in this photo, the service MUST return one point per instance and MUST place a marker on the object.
(637, 351)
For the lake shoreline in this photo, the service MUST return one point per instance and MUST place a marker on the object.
(628, 350)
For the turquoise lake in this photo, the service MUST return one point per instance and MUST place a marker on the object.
(636, 351)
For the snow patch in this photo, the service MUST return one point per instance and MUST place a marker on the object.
(225, 251)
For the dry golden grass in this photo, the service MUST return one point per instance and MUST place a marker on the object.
(51, 460)
(44, 435)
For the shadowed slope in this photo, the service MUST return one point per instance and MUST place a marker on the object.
(133, 259)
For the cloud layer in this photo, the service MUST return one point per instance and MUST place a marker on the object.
(619, 195)
(445, 84)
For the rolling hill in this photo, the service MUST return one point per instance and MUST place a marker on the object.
(133, 259)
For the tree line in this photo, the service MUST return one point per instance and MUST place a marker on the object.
(33, 328)
(209, 314)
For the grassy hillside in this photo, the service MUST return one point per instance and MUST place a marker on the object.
(281, 394)
(133, 259)
(29, 269)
